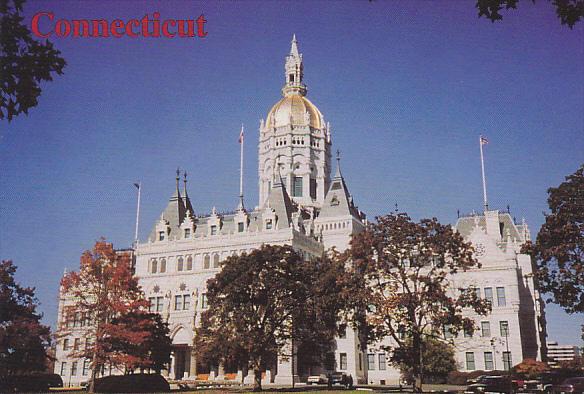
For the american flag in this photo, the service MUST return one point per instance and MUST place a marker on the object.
(241, 135)
(484, 141)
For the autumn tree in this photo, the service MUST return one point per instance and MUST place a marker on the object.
(569, 11)
(23, 339)
(401, 277)
(262, 302)
(24, 62)
(530, 368)
(559, 247)
(106, 292)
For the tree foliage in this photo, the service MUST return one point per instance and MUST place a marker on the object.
(24, 62)
(106, 292)
(438, 360)
(401, 278)
(262, 302)
(569, 11)
(559, 247)
(530, 368)
(23, 339)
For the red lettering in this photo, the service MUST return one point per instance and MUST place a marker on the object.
(165, 28)
(116, 25)
(156, 24)
(97, 23)
(145, 26)
(201, 26)
(82, 25)
(129, 31)
(35, 24)
(181, 28)
(59, 28)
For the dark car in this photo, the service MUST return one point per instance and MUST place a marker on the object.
(491, 384)
(570, 385)
(339, 378)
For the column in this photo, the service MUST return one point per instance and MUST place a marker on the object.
(193, 366)
(285, 375)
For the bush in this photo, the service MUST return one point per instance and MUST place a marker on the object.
(461, 378)
(30, 383)
(136, 383)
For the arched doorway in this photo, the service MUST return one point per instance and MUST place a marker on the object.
(181, 354)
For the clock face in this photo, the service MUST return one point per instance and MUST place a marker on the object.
(480, 250)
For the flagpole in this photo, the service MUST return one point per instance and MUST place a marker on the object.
(241, 168)
(486, 204)
(139, 186)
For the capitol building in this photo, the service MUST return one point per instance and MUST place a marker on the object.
(305, 202)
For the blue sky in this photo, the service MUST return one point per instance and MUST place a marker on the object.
(407, 87)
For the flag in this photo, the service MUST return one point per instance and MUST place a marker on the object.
(484, 141)
(241, 135)
(137, 186)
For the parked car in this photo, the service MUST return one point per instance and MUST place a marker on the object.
(339, 378)
(317, 379)
(496, 384)
(544, 382)
(570, 385)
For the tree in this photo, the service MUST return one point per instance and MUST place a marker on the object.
(23, 339)
(106, 293)
(569, 11)
(530, 368)
(24, 62)
(438, 357)
(559, 247)
(263, 301)
(401, 275)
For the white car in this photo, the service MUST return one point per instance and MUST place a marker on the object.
(317, 379)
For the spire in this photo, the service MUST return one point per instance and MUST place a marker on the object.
(338, 172)
(241, 207)
(177, 179)
(294, 72)
(187, 200)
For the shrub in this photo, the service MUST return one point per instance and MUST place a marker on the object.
(460, 378)
(30, 383)
(136, 383)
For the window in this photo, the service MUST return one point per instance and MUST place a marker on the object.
(371, 362)
(489, 294)
(342, 362)
(216, 261)
(504, 326)
(88, 343)
(214, 229)
(182, 302)
(180, 264)
(85, 367)
(151, 306)
(76, 343)
(187, 232)
(448, 332)
(162, 266)
(189, 263)
(488, 361)
(74, 368)
(159, 304)
(468, 333)
(178, 302)
(153, 266)
(204, 301)
(343, 333)
(207, 262)
(77, 319)
(65, 344)
(269, 224)
(240, 227)
(360, 361)
(313, 188)
(470, 362)
(297, 187)
(291, 77)
(401, 332)
(478, 292)
(83, 319)
(501, 296)
(507, 361)
(63, 368)
(186, 302)
(382, 362)
(161, 235)
(485, 329)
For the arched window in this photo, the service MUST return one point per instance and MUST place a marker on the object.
(207, 262)
(216, 261)
(162, 266)
(180, 264)
(153, 266)
(189, 263)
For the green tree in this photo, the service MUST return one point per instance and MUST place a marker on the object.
(24, 62)
(569, 11)
(438, 360)
(401, 275)
(24, 341)
(262, 302)
(559, 247)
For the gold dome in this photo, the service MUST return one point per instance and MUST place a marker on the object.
(294, 109)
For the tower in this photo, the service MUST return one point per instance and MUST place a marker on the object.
(295, 141)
